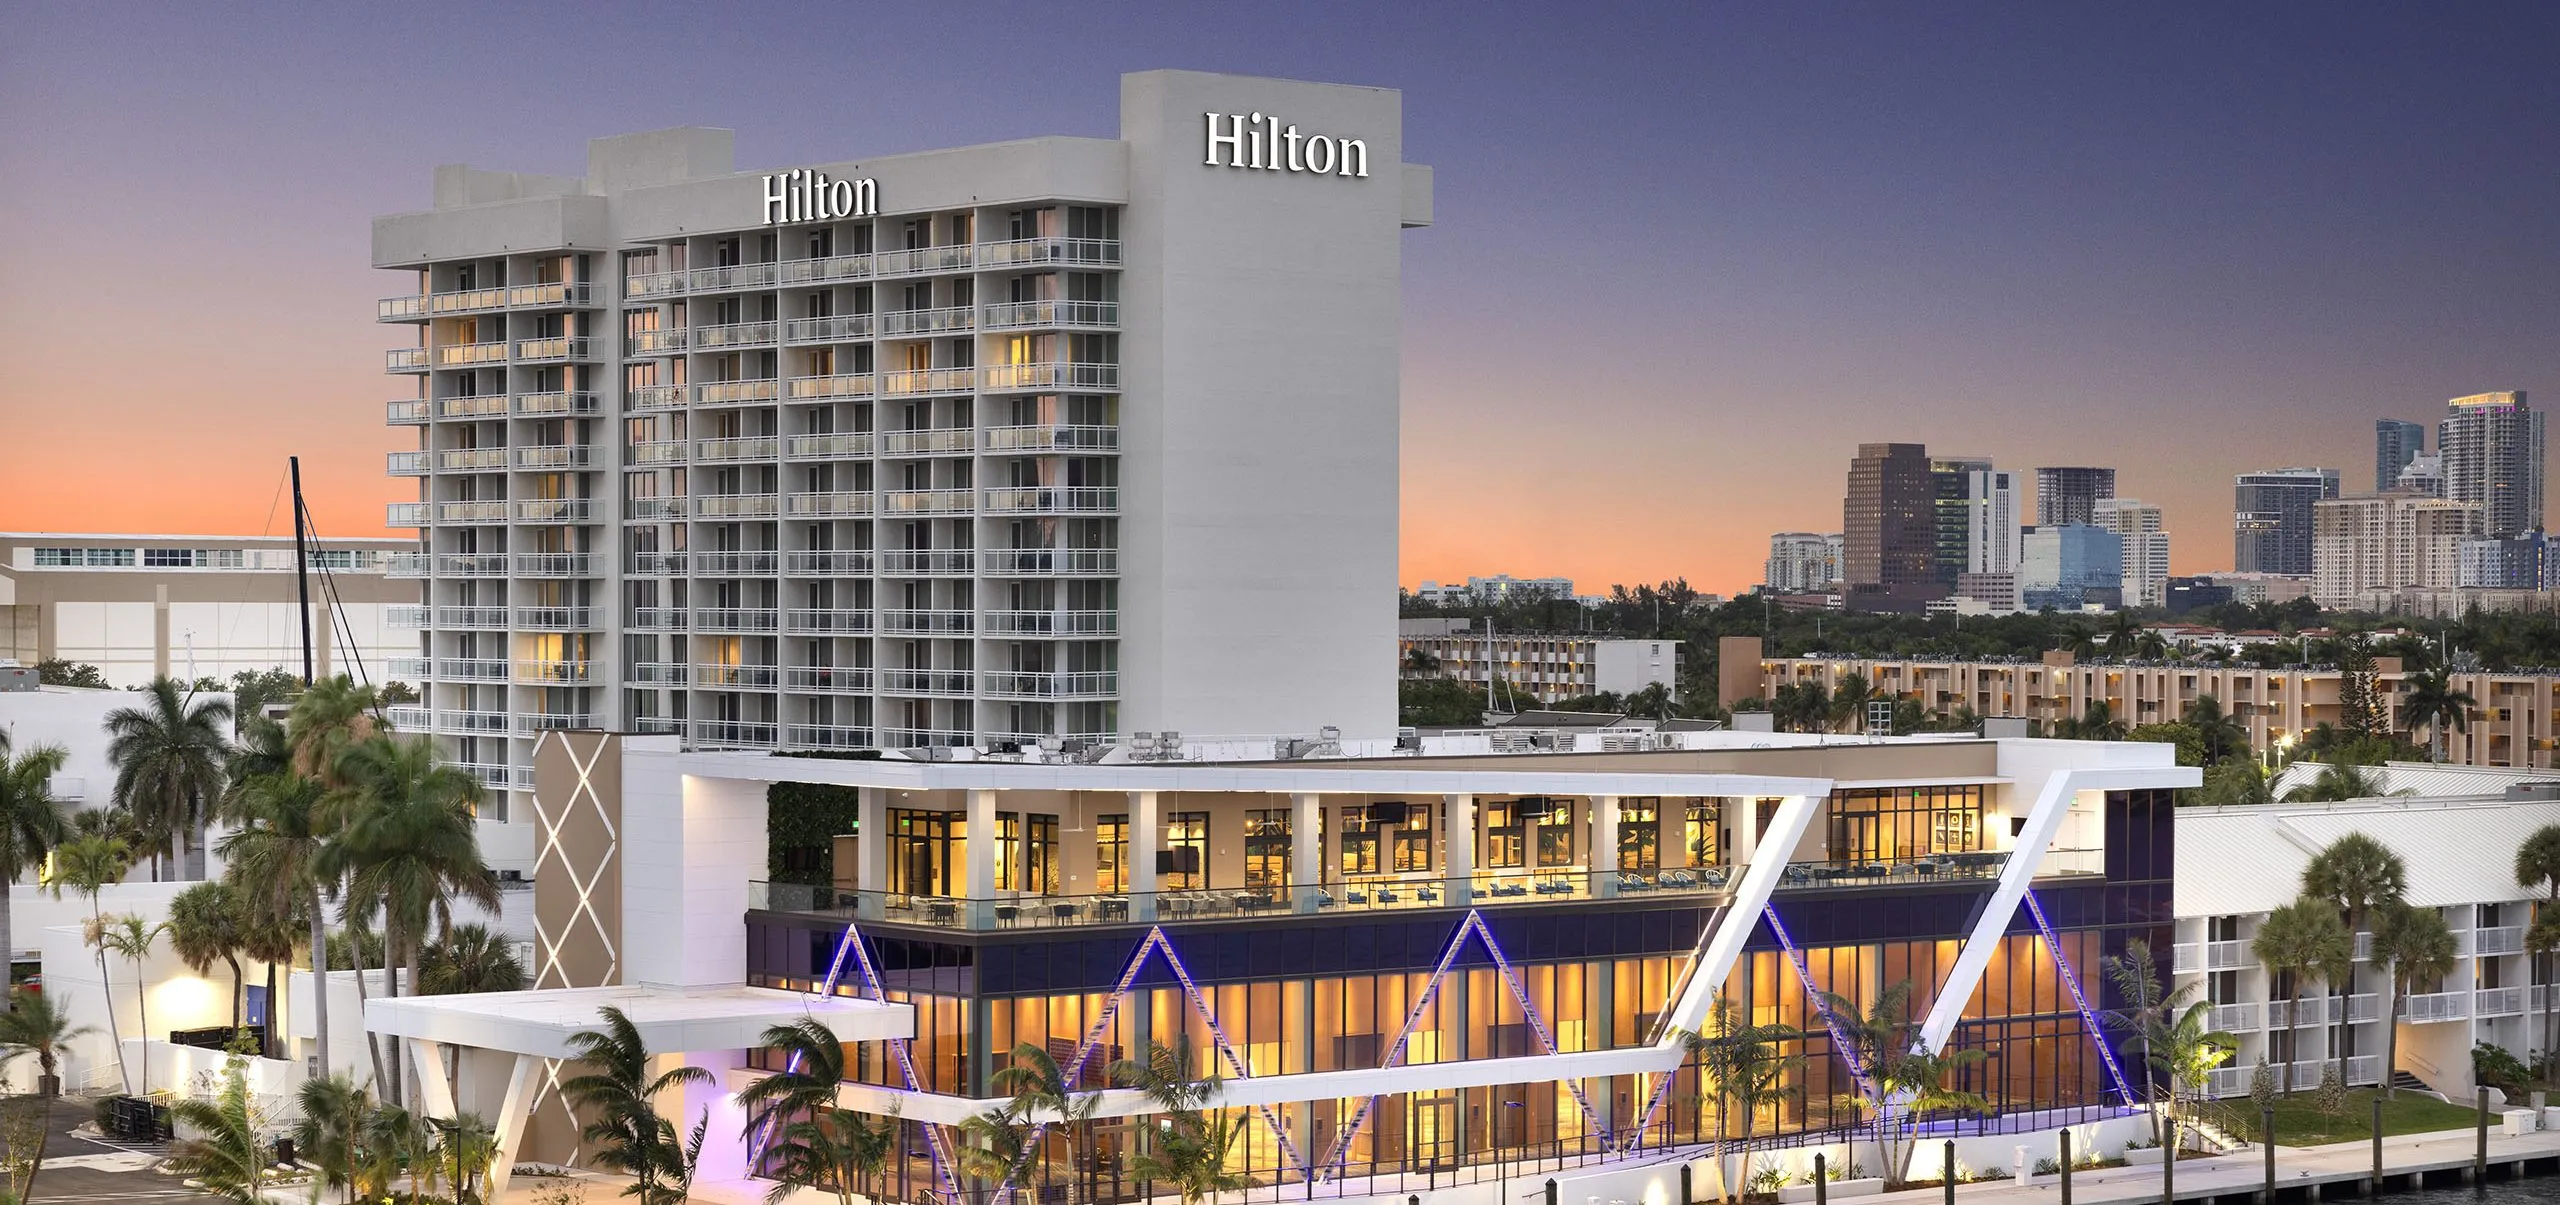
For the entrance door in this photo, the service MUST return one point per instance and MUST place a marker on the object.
(1435, 1133)
(1857, 833)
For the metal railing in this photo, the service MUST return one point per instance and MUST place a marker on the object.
(833, 328)
(1048, 562)
(2424, 1007)
(735, 619)
(731, 393)
(546, 721)
(735, 334)
(736, 506)
(841, 502)
(1016, 314)
(1059, 499)
(657, 508)
(472, 459)
(405, 464)
(405, 359)
(661, 673)
(1064, 438)
(826, 619)
(736, 734)
(555, 619)
(2498, 1002)
(552, 564)
(661, 451)
(660, 342)
(722, 674)
(911, 261)
(825, 268)
(945, 440)
(557, 402)
(839, 385)
(927, 322)
(1051, 375)
(552, 510)
(1050, 685)
(752, 447)
(755, 563)
(2496, 940)
(926, 681)
(827, 679)
(653, 284)
(660, 619)
(401, 308)
(928, 502)
(1053, 623)
(404, 411)
(655, 397)
(473, 669)
(404, 514)
(2234, 1018)
(951, 621)
(552, 456)
(830, 563)
(658, 562)
(929, 380)
(555, 347)
(840, 443)
(826, 736)
(478, 405)
(471, 512)
(1087, 251)
(550, 293)
(926, 738)
(491, 352)
(543, 673)
(935, 562)
(732, 277)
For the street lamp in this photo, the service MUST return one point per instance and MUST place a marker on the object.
(1502, 1162)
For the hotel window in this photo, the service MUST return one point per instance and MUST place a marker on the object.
(1704, 832)
(1266, 847)
(1186, 838)
(1359, 842)
(1027, 862)
(1903, 824)
(1639, 834)
(923, 847)
(1111, 853)
(1555, 834)
(1505, 831)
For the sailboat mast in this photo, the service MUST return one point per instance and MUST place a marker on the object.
(301, 568)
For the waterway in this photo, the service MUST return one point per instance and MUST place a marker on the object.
(2541, 1191)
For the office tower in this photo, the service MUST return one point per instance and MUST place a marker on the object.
(2067, 566)
(2271, 520)
(2070, 494)
(961, 447)
(2146, 549)
(1889, 521)
(2387, 542)
(1994, 534)
(1801, 562)
(2492, 449)
(1951, 502)
(2394, 444)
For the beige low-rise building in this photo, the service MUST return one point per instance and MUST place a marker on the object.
(1550, 665)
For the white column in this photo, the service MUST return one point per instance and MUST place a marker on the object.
(1306, 851)
(981, 885)
(514, 1111)
(870, 849)
(1742, 815)
(1604, 845)
(435, 1090)
(1458, 845)
(1143, 843)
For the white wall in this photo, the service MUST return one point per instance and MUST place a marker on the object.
(1626, 666)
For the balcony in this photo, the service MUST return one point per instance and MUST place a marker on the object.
(2498, 1002)
(663, 341)
(827, 563)
(734, 335)
(733, 564)
(734, 393)
(498, 776)
(2197, 957)
(1052, 562)
(814, 447)
(723, 676)
(737, 506)
(552, 564)
(922, 738)
(663, 451)
(1093, 252)
(410, 668)
(446, 564)
(735, 619)
(2233, 1018)
(656, 397)
(403, 615)
(660, 673)
(951, 622)
(937, 682)
(471, 512)
(1052, 439)
(466, 301)
(826, 736)
(553, 349)
(406, 412)
(559, 402)
(2428, 1007)
(827, 388)
(954, 258)
(464, 355)
(552, 456)
(657, 508)
(2501, 939)
(730, 734)
(555, 619)
(487, 405)
(404, 514)
(405, 464)
(546, 295)
(733, 277)
(937, 562)
(472, 669)
(1055, 500)
(945, 441)
(754, 447)
(655, 563)
(1061, 375)
(1053, 623)
(1050, 685)
(1016, 315)
(928, 502)
(835, 503)
(470, 723)
(552, 510)
(408, 307)
(653, 284)
(826, 679)
(826, 268)
(405, 359)
(929, 380)
(824, 620)
(659, 619)
(483, 619)
(471, 460)
(928, 322)
(835, 328)
(534, 722)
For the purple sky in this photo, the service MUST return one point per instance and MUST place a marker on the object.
(1685, 258)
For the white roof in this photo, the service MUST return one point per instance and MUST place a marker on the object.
(671, 1019)
(2427, 778)
(2459, 850)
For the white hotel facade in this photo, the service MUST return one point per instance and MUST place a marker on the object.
(1051, 440)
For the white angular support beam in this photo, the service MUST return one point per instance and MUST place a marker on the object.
(435, 1088)
(515, 1113)
(1759, 881)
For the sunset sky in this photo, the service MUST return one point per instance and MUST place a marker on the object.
(1685, 258)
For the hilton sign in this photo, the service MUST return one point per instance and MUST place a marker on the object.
(808, 195)
(1259, 141)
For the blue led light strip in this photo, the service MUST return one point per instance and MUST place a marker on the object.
(1341, 1153)
(1840, 1044)
(827, 987)
(2088, 1017)
(1529, 1012)
(933, 1140)
(1661, 1021)
(1235, 1062)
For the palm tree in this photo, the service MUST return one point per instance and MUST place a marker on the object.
(2538, 865)
(2238, 782)
(627, 1133)
(205, 928)
(2339, 781)
(273, 859)
(1039, 1086)
(31, 821)
(170, 755)
(2187, 1048)
(465, 1143)
(2419, 948)
(2356, 874)
(2123, 636)
(1747, 1068)
(130, 937)
(1849, 702)
(1886, 1051)
(2136, 978)
(1190, 1153)
(39, 1023)
(230, 1160)
(330, 1132)
(333, 715)
(2295, 942)
(2435, 703)
(2099, 723)
(87, 865)
(993, 1144)
(2543, 940)
(813, 1143)
(471, 957)
(2219, 734)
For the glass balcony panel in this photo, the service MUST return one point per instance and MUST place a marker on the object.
(736, 506)
(811, 447)
(838, 503)
(854, 384)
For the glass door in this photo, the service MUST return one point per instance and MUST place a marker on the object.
(1435, 1133)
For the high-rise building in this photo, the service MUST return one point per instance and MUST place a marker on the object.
(2522, 562)
(1801, 562)
(2146, 549)
(2070, 494)
(1889, 521)
(2388, 541)
(2492, 449)
(960, 447)
(2271, 521)
(1951, 494)
(2069, 566)
(2424, 474)
(2394, 444)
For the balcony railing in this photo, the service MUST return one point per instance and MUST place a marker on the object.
(909, 262)
(1012, 315)
(1060, 375)
(826, 736)
(813, 447)
(557, 347)
(929, 380)
(472, 459)
(657, 508)
(927, 621)
(826, 619)
(463, 354)
(753, 447)
(844, 502)
(840, 385)
(547, 673)
(733, 277)
(926, 738)
(1051, 562)
(1087, 251)
(405, 411)
(482, 405)
(555, 619)
(408, 307)
(471, 512)
(653, 284)
(487, 619)
(1053, 623)
(2498, 1002)
(473, 669)
(827, 679)
(557, 402)
(546, 721)
(550, 294)
(657, 562)
(2422, 1008)
(826, 268)
(552, 456)
(467, 301)
(752, 563)
(735, 619)
(732, 393)
(656, 397)
(737, 506)
(552, 510)
(1023, 685)
(2501, 939)
(834, 328)
(927, 322)
(405, 359)
(413, 668)
(1055, 500)
(2233, 1018)
(725, 676)
(937, 562)
(446, 564)
(927, 502)
(911, 443)
(660, 673)
(1052, 439)
(735, 334)
(827, 563)
(661, 451)
(404, 514)
(927, 682)
(731, 734)
(659, 619)
(468, 723)
(404, 615)
(553, 564)
(405, 464)
(663, 341)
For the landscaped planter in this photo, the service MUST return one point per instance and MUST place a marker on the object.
(2143, 1157)
(1871, 1186)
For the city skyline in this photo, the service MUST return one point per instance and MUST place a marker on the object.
(2184, 248)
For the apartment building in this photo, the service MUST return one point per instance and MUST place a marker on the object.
(1496, 590)
(2491, 445)
(2145, 576)
(1550, 666)
(2384, 542)
(2271, 517)
(2068, 494)
(141, 606)
(1038, 441)
(2395, 444)
(1801, 562)
(2512, 723)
